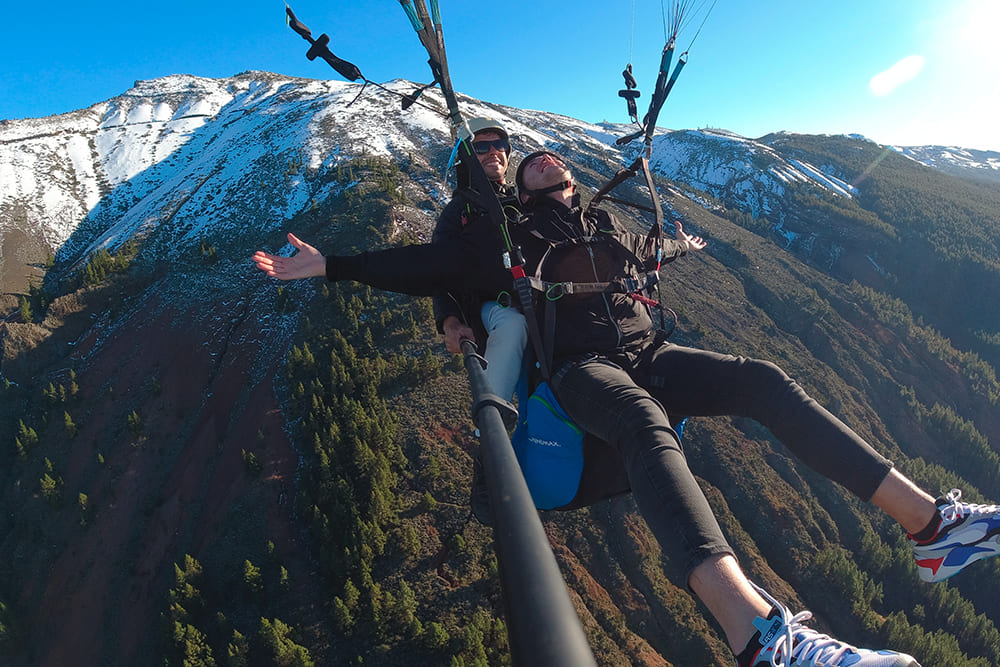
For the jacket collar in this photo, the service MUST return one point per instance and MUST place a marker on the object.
(551, 218)
(552, 204)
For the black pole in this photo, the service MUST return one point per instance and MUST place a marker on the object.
(543, 628)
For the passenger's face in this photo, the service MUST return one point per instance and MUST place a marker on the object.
(545, 170)
(494, 161)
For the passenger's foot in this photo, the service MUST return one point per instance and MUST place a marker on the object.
(782, 640)
(967, 533)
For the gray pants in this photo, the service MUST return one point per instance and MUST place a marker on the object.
(508, 334)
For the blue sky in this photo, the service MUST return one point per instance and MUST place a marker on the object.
(906, 72)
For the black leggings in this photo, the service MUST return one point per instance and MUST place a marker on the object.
(625, 402)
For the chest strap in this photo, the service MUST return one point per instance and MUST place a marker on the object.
(554, 291)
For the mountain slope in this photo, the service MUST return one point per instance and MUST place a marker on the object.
(301, 453)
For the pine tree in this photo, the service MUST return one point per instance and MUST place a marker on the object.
(71, 429)
(283, 650)
(6, 631)
(409, 541)
(50, 488)
(343, 620)
(238, 650)
(27, 435)
(405, 608)
(435, 636)
(25, 308)
(252, 578)
(134, 422)
(252, 463)
(193, 646)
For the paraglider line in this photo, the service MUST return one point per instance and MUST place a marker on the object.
(698, 32)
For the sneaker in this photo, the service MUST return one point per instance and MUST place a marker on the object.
(785, 641)
(967, 533)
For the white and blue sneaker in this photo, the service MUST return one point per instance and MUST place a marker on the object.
(785, 642)
(967, 533)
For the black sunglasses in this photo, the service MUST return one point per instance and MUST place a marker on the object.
(483, 147)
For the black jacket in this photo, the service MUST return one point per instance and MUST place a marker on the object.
(589, 247)
(458, 300)
(604, 322)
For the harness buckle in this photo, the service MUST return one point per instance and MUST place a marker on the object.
(556, 291)
(631, 285)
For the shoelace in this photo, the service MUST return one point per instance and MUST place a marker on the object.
(799, 644)
(956, 509)
(812, 648)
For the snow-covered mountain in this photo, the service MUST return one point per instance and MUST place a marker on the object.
(187, 156)
(965, 162)
(182, 157)
(194, 153)
(746, 173)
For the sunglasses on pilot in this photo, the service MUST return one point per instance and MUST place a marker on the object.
(483, 147)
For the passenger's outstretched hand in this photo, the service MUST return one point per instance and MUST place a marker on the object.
(306, 263)
(694, 242)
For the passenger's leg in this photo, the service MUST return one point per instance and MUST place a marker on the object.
(603, 400)
(508, 334)
(947, 534)
(701, 383)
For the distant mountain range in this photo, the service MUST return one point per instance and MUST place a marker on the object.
(202, 464)
(962, 162)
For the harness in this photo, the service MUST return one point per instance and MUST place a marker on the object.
(655, 234)
(635, 283)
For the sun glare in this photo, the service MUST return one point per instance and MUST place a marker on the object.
(977, 25)
(967, 35)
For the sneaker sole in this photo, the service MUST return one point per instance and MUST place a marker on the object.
(934, 569)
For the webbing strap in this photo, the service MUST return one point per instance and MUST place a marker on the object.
(619, 178)
(655, 234)
(411, 12)
(553, 291)
(659, 95)
(543, 352)
(640, 164)
(550, 333)
(656, 230)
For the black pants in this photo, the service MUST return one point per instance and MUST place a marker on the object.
(625, 400)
